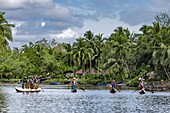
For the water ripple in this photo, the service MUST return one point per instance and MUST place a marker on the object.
(90, 101)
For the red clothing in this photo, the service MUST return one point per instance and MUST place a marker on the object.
(141, 85)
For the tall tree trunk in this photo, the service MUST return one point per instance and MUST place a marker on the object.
(127, 67)
(98, 66)
(90, 66)
(70, 61)
(166, 73)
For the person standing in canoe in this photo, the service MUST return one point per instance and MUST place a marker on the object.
(112, 87)
(73, 85)
(142, 85)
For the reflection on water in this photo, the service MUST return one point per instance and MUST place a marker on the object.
(89, 101)
(2, 101)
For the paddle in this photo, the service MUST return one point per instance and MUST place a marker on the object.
(82, 88)
(118, 90)
(42, 89)
(152, 91)
(135, 90)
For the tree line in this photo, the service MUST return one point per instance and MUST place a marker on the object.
(122, 55)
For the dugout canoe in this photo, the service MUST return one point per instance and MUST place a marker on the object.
(74, 90)
(112, 91)
(142, 92)
(18, 89)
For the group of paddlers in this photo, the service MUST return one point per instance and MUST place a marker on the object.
(113, 89)
(112, 86)
(142, 86)
(31, 82)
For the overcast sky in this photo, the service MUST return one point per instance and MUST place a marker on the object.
(66, 20)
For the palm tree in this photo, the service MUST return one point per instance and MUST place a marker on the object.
(89, 36)
(154, 35)
(121, 37)
(99, 41)
(5, 32)
(80, 53)
(147, 42)
(162, 57)
(152, 47)
(90, 39)
(119, 42)
(68, 56)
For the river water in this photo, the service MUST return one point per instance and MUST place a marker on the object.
(58, 100)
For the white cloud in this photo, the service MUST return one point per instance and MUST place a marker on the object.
(20, 40)
(162, 3)
(68, 33)
(67, 20)
(35, 12)
(12, 4)
(18, 4)
(106, 26)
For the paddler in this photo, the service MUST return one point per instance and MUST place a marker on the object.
(142, 85)
(112, 86)
(73, 83)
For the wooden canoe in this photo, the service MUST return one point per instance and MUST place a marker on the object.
(112, 91)
(18, 89)
(74, 90)
(142, 92)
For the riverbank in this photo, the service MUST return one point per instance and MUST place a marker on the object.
(122, 86)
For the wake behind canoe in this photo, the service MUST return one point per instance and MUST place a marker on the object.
(18, 89)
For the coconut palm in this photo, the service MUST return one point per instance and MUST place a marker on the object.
(5, 32)
(91, 47)
(119, 43)
(162, 57)
(68, 56)
(79, 53)
(99, 41)
(148, 42)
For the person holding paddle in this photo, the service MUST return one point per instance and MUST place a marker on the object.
(73, 85)
(142, 86)
(112, 87)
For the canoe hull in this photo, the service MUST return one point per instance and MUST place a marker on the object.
(142, 92)
(18, 89)
(74, 90)
(112, 91)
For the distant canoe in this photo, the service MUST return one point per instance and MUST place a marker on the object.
(55, 83)
(117, 83)
(100, 84)
(18, 89)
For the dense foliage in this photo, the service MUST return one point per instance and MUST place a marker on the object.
(123, 55)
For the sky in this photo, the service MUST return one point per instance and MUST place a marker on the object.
(66, 20)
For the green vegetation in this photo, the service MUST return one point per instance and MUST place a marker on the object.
(123, 56)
